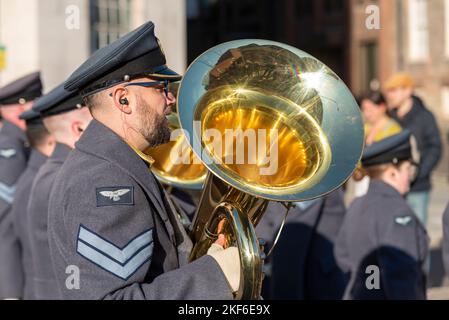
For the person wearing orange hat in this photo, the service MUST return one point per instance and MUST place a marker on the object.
(411, 113)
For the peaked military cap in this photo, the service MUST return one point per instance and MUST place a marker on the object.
(393, 149)
(58, 101)
(134, 55)
(32, 118)
(21, 90)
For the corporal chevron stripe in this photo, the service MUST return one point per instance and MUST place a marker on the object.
(122, 262)
(7, 193)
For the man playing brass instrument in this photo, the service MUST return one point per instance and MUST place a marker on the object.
(108, 215)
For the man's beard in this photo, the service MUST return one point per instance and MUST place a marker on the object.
(153, 126)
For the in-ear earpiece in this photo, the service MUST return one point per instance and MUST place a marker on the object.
(124, 101)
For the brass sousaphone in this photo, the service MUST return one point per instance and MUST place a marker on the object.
(254, 95)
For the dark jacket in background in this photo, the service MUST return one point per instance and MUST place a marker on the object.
(20, 218)
(302, 263)
(13, 161)
(381, 230)
(186, 200)
(421, 122)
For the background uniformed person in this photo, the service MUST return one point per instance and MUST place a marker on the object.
(64, 116)
(108, 216)
(302, 265)
(381, 236)
(42, 144)
(15, 98)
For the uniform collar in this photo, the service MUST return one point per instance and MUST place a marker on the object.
(37, 159)
(61, 152)
(101, 142)
(378, 186)
(11, 130)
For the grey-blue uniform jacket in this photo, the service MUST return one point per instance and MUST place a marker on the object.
(382, 238)
(446, 239)
(44, 281)
(19, 214)
(302, 264)
(13, 161)
(110, 220)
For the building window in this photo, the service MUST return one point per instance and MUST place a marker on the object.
(418, 31)
(109, 20)
(192, 9)
(368, 66)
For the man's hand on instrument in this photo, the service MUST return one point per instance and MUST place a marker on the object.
(228, 259)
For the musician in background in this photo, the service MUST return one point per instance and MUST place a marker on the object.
(66, 118)
(15, 98)
(42, 144)
(382, 246)
(302, 265)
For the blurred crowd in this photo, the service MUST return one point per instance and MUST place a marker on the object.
(368, 239)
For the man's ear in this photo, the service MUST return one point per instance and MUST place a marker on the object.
(120, 96)
(51, 141)
(393, 173)
(77, 129)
